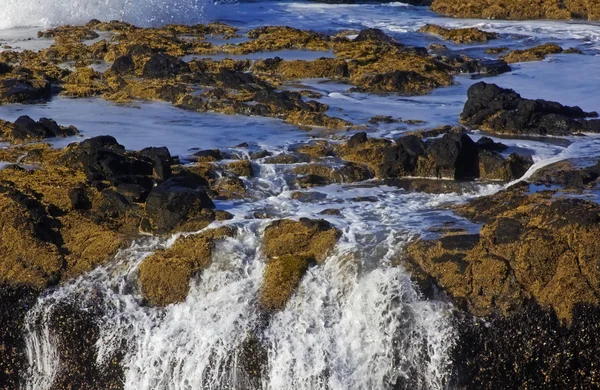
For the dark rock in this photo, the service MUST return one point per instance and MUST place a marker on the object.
(5, 68)
(357, 139)
(486, 143)
(453, 155)
(531, 349)
(123, 65)
(79, 199)
(519, 165)
(24, 91)
(500, 110)
(163, 66)
(26, 128)
(412, 145)
(485, 67)
(15, 301)
(209, 155)
(173, 201)
(373, 34)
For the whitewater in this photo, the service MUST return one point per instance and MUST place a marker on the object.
(357, 321)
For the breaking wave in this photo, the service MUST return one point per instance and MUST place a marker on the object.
(43, 13)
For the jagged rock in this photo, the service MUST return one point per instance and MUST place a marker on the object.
(500, 110)
(26, 129)
(459, 35)
(537, 53)
(320, 175)
(485, 67)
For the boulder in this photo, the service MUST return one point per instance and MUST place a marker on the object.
(500, 110)
(163, 66)
(23, 91)
(452, 156)
(123, 65)
(173, 202)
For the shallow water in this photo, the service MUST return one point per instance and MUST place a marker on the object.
(356, 322)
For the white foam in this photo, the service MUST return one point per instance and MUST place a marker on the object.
(20, 13)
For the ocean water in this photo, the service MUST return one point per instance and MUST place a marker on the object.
(357, 321)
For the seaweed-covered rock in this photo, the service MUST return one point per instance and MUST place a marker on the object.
(459, 35)
(531, 247)
(306, 237)
(517, 10)
(500, 110)
(281, 278)
(188, 256)
(537, 53)
(26, 129)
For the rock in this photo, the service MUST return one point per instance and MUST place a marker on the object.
(516, 10)
(241, 168)
(485, 67)
(537, 53)
(23, 91)
(493, 166)
(164, 66)
(26, 129)
(385, 158)
(14, 303)
(433, 186)
(531, 247)
(123, 65)
(320, 175)
(496, 352)
(486, 143)
(459, 35)
(188, 256)
(452, 156)
(173, 202)
(500, 110)
(357, 139)
(308, 238)
(281, 278)
(373, 34)
(76, 333)
(208, 155)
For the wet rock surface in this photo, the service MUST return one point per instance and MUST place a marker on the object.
(501, 110)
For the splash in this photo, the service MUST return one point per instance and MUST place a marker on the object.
(35, 13)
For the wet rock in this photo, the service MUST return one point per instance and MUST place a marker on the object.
(500, 110)
(531, 247)
(187, 257)
(537, 53)
(163, 66)
(281, 278)
(15, 301)
(493, 166)
(26, 129)
(308, 197)
(433, 186)
(459, 35)
(23, 91)
(373, 34)
(486, 143)
(452, 156)
(485, 67)
(496, 352)
(515, 10)
(241, 168)
(76, 334)
(320, 174)
(385, 158)
(123, 65)
(311, 238)
(208, 155)
(173, 202)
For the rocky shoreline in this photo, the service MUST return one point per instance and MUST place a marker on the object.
(525, 288)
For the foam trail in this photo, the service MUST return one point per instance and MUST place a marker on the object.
(26, 13)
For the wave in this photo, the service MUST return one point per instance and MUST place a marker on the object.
(146, 13)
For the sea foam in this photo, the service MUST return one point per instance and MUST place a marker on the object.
(28, 13)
